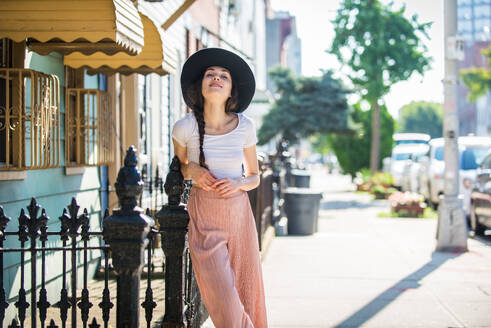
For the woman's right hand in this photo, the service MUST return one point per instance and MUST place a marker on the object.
(201, 176)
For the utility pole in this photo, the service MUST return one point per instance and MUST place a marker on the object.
(452, 229)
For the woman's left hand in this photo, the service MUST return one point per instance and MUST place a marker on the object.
(226, 186)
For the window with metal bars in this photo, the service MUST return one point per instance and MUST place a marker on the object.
(88, 123)
(29, 115)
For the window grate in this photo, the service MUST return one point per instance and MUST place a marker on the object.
(88, 127)
(29, 119)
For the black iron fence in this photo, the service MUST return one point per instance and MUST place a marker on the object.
(74, 236)
(125, 245)
(261, 199)
(153, 189)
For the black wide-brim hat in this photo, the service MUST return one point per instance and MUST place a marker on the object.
(242, 75)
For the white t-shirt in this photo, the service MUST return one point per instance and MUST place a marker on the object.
(223, 153)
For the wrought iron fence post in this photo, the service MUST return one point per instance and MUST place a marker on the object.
(285, 158)
(174, 219)
(126, 233)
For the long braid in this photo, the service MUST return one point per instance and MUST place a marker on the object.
(201, 129)
(197, 106)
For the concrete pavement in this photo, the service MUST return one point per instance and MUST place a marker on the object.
(364, 271)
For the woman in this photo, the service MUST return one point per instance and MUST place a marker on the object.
(216, 145)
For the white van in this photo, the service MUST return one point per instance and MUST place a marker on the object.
(411, 138)
(401, 155)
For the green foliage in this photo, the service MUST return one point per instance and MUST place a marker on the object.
(379, 184)
(353, 151)
(320, 144)
(422, 117)
(382, 47)
(306, 106)
(477, 79)
(366, 175)
(382, 178)
(428, 213)
(382, 191)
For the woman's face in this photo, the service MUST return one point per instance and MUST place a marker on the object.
(217, 84)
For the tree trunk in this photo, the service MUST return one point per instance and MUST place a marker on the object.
(375, 147)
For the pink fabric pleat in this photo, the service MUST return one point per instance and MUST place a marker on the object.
(224, 251)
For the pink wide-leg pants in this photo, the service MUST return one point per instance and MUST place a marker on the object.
(224, 251)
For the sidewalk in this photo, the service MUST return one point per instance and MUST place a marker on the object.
(364, 271)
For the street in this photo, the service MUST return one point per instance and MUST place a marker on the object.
(359, 270)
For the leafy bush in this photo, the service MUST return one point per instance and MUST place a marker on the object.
(378, 184)
(383, 178)
(353, 151)
(428, 213)
(382, 191)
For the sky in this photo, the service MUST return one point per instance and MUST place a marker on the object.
(316, 32)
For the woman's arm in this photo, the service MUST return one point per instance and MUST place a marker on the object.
(228, 186)
(191, 170)
(251, 179)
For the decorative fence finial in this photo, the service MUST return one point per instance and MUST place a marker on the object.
(129, 184)
(4, 220)
(174, 183)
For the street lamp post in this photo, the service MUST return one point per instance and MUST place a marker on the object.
(452, 229)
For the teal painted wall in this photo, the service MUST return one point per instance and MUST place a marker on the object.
(53, 191)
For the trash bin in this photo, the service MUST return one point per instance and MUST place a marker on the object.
(300, 178)
(302, 210)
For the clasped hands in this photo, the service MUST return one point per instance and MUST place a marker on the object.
(207, 181)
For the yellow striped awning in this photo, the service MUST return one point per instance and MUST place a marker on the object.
(66, 26)
(156, 56)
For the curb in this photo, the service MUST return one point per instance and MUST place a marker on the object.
(268, 237)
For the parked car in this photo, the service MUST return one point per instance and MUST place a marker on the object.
(423, 177)
(419, 161)
(472, 150)
(480, 218)
(400, 156)
(409, 181)
(411, 138)
(431, 181)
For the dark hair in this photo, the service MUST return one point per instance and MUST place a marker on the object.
(195, 94)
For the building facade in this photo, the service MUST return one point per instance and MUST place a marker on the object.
(283, 47)
(75, 96)
(474, 26)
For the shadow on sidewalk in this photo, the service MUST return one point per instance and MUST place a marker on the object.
(411, 281)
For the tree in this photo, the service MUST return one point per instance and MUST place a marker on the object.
(477, 79)
(381, 47)
(305, 106)
(353, 151)
(320, 144)
(422, 117)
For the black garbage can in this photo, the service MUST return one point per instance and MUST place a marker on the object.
(300, 178)
(302, 210)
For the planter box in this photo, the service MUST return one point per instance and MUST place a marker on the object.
(413, 209)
